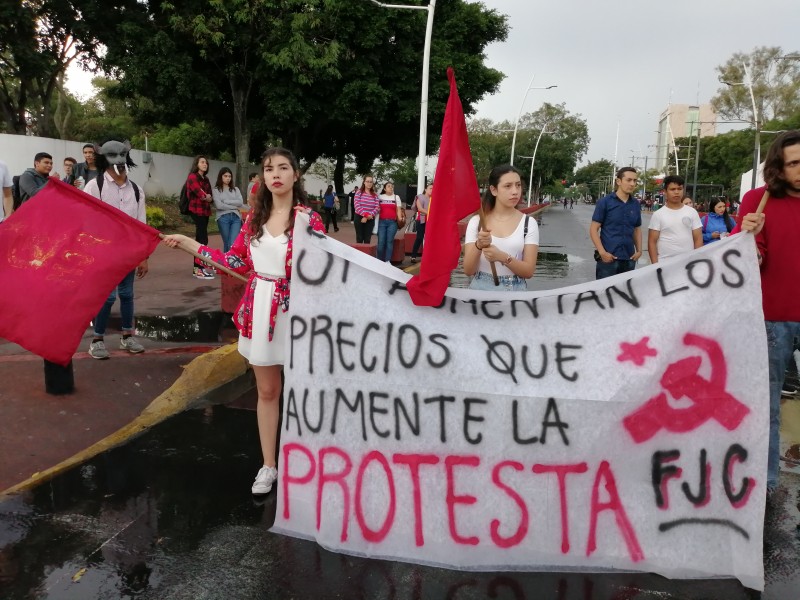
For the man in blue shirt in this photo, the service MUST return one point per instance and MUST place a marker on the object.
(616, 228)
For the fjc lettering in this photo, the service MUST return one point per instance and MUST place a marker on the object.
(332, 470)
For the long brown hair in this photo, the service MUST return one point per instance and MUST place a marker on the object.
(195, 165)
(363, 187)
(489, 200)
(773, 163)
(263, 202)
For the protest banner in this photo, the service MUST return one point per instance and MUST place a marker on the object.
(616, 424)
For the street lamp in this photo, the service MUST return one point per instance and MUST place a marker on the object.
(533, 160)
(756, 124)
(423, 112)
(519, 113)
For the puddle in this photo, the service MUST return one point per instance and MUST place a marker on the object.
(201, 327)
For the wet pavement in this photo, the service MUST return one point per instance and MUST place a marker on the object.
(169, 514)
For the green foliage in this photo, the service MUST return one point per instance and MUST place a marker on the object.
(39, 39)
(156, 217)
(186, 139)
(775, 82)
(564, 141)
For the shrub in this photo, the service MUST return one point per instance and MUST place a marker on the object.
(156, 217)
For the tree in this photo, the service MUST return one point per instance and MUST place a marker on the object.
(775, 82)
(38, 41)
(563, 143)
(305, 73)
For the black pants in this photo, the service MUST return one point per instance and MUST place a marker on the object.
(419, 239)
(200, 234)
(363, 230)
(330, 216)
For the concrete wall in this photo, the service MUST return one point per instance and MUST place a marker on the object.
(163, 175)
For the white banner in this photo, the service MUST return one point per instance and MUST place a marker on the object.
(616, 424)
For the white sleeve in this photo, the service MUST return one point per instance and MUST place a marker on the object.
(471, 235)
(397, 200)
(533, 232)
(696, 224)
(655, 220)
(142, 209)
(91, 188)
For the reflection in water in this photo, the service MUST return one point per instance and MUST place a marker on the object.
(198, 327)
(550, 266)
(169, 515)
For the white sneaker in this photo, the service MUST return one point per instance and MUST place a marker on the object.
(264, 480)
(131, 345)
(98, 350)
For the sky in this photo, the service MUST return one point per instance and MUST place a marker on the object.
(616, 61)
(622, 60)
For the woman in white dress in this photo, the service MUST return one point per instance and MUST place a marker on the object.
(264, 250)
(510, 239)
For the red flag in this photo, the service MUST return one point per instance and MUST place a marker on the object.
(455, 196)
(61, 254)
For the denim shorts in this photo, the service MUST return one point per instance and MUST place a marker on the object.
(508, 283)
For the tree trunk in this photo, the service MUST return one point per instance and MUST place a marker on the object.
(338, 174)
(240, 93)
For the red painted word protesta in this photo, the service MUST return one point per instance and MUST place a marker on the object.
(334, 467)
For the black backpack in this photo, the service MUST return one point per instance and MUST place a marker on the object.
(15, 192)
(183, 201)
(101, 180)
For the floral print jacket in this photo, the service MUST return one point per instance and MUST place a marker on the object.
(238, 259)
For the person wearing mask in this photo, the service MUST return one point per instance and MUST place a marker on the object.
(227, 202)
(198, 189)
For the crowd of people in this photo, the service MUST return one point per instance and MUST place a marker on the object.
(500, 252)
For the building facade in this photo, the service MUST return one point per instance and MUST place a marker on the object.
(681, 121)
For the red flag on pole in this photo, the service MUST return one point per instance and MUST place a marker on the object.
(455, 196)
(61, 254)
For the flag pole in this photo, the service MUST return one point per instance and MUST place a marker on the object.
(481, 227)
(762, 205)
(210, 262)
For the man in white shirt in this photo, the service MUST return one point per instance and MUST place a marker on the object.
(115, 188)
(676, 228)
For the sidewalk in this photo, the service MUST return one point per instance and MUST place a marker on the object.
(40, 430)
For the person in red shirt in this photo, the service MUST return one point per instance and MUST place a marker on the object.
(198, 189)
(779, 256)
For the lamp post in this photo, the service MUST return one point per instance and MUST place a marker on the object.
(423, 112)
(756, 124)
(519, 113)
(533, 160)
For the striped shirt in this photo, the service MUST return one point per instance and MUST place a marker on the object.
(366, 203)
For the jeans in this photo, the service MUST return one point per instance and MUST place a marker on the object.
(508, 283)
(229, 226)
(603, 270)
(200, 235)
(419, 239)
(781, 337)
(387, 228)
(125, 290)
